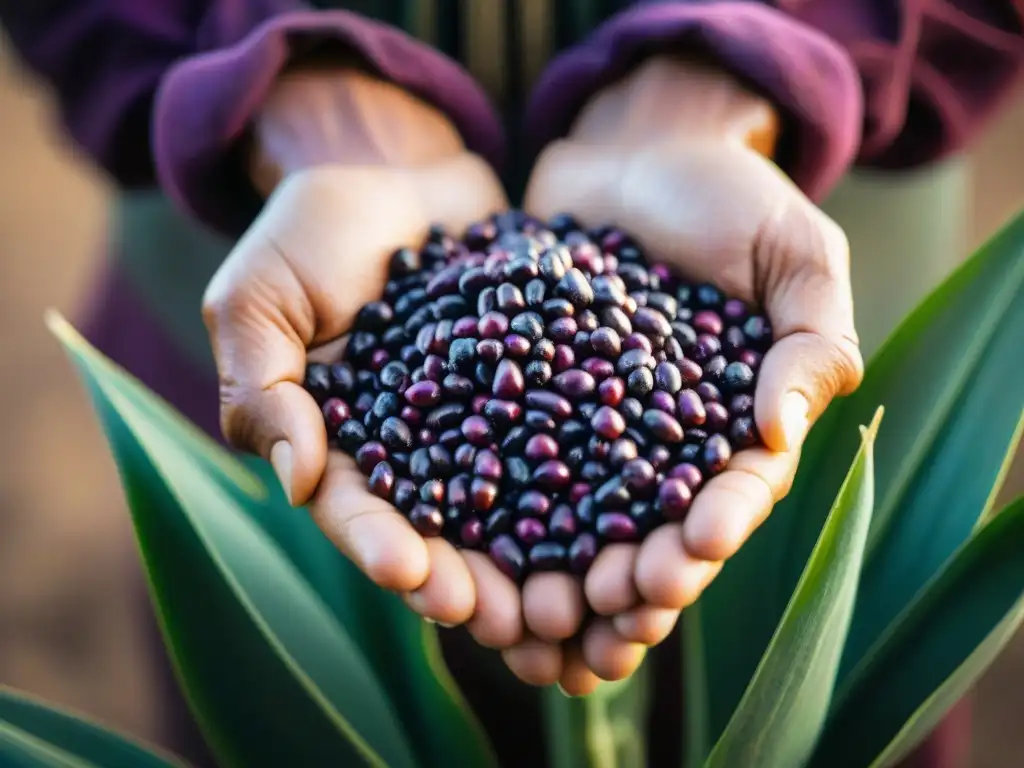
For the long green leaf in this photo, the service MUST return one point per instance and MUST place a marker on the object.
(695, 688)
(403, 650)
(918, 375)
(936, 651)
(273, 678)
(777, 722)
(19, 749)
(74, 735)
(603, 730)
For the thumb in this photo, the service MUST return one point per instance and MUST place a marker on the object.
(808, 298)
(257, 327)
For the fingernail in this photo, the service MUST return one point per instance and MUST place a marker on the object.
(429, 620)
(562, 691)
(795, 410)
(624, 624)
(281, 461)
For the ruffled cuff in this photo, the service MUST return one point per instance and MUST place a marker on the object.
(809, 77)
(206, 102)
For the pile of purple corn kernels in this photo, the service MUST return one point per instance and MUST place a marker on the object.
(536, 390)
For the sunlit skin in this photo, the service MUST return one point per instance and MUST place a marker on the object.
(674, 154)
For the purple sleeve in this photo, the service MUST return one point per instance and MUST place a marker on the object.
(886, 84)
(161, 90)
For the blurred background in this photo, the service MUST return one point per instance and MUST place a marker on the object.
(69, 584)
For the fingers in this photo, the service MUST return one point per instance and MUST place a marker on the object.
(535, 662)
(498, 616)
(732, 505)
(368, 530)
(809, 300)
(667, 574)
(553, 605)
(577, 678)
(607, 654)
(646, 624)
(448, 596)
(609, 583)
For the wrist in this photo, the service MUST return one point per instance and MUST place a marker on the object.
(668, 99)
(332, 112)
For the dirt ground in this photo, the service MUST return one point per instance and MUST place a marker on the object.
(67, 626)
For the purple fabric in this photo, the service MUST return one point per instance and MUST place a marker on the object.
(805, 73)
(207, 101)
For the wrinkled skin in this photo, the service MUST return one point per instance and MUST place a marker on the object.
(354, 168)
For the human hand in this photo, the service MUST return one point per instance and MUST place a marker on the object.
(354, 169)
(674, 154)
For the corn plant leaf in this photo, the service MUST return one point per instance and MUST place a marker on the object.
(921, 375)
(272, 677)
(929, 659)
(606, 729)
(402, 650)
(38, 731)
(777, 722)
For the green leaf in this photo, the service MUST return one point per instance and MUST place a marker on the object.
(606, 729)
(777, 722)
(41, 732)
(272, 676)
(923, 376)
(696, 745)
(403, 650)
(928, 660)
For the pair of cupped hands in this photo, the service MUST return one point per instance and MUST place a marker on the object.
(677, 154)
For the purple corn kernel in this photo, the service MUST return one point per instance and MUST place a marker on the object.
(674, 497)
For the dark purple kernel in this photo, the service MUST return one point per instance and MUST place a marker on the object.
(608, 423)
(640, 382)
(598, 367)
(659, 456)
(743, 433)
(395, 434)
(515, 440)
(717, 453)
(708, 392)
(632, 360)
(689, 474)
(507, 555)
(621, 451)
(707, 346)
(458, 492)
(638, 474)
(534, 293)
(498, 522)
(737, 377)
(404, 261)
(662, 401)
(533, 504)
(562, 523)
(757, 331)
(547, 556)
(663, 426)
(482, 494)
(473, 280)
(552, 475)
(529, 325)
(616, 526)
(564, 358)
(689, 452)
(420, 466)
(459, 387)
(575, 383)
(492, 325)
(516, 345)
(611, 391)
(640, 342)
(351, 435)
(707, 321)
(427, 520)
(472, 533)
(717, 417)
(517, 472)
(477, 431)
(432, 492)
(529, 531)
(674, 497)
(382, 480)
(446, 416)
(632, 409)
(483, 374)
(537, 373)
(582, 553)
(651, 321)
(336, 412)
(508, 380)
(510, 298)
(563, 329)
(502, 413)
(694, 435)
(549, 401)
(487, 465)
(741, 405)
(404, 495)
(575, 287)
(690, 409)
(541, 448)
(490, 350)
(607, 342)
(423, 394)
(613, 493)
(750, 357)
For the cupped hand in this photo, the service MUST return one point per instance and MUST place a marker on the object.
(675, 155)
(354, 170)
